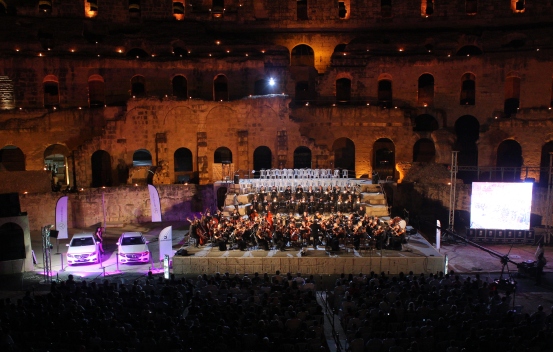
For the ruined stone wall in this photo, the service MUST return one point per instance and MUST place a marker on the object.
(124, 205)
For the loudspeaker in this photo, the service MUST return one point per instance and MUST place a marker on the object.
(54, 233)
(236, 179)
(9, 205)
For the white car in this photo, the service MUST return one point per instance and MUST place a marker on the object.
(83, 248)
(133, 248)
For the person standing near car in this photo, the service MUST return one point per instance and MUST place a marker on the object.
(100, 238)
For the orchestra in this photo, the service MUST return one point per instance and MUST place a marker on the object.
(312, 228)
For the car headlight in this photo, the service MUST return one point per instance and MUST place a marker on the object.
(70, 255)
(144, 253)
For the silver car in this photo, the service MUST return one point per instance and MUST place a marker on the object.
(83, 248)
(133, 248)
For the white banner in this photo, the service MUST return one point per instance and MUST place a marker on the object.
(61, 218)
(166, 243)
(154, 204)
(438, 234)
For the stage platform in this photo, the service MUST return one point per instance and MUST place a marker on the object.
(417, 256)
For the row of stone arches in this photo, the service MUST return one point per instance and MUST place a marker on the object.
(12, 158)
(425, 91)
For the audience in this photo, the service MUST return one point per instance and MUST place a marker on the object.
(223, 312)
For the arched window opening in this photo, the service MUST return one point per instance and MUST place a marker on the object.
(302, 91)
(339, 49)
(178, 9)
(134, 8)
(471, 7)
(385, 93)
(222, 155)
(183, 165)
(90, 8)
(12, 159)
(424, 151)
(344, 154)
(427, 7)
(342, 10)
(180, 87)
(518, 6)
(467, 132)
(218, 8)
(55, 161)
(142, 157)
(51, 92)
(426, 89)
(386, 8)
(101, 169)
(96, 91)
(262, 159)
(137, 53)
(343, 90)
(302, 10)
(509, 155)
(302, 55)
(138, 86)
(3, 7)
(220, 88)
(425, 123)
(512, 96)
(302, 158)
(546, 150)
(469, 50)
(45, 6)
(13, 242)
(468, 89)
(384, 158)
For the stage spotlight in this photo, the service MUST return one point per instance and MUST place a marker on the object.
(271, 81)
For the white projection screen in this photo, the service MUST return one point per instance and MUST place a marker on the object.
(502, 205)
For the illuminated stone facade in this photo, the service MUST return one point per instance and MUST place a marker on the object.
(101, 89)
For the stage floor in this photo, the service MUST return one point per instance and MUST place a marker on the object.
(417, 256)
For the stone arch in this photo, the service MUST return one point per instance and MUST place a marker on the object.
(96, 91)
(471, 7)
(217, 8)
(384, 158)
(302, 55)
(184, 165)
(134, 8)
(509, 155)
(222, 155)
(45, 6)
(101, 169)
(50, 85)
(262, 158)
(344, 154)
(12, 158)
(220, 88)
(386, 8)
(55, 161)
(512, 94)
(178, 9)
(142, 157)
(467, 131)
(302, 158)
(339, 49)
(468, 89)
(138, 86)
(343, 90)
(424, 151)
(426, 89)
(469, 50)
(90, 8)
(425, 123)
(180, 87)
(546, 149)
(385, 90)
(13, 242)
(3, 7)
(427, 8)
